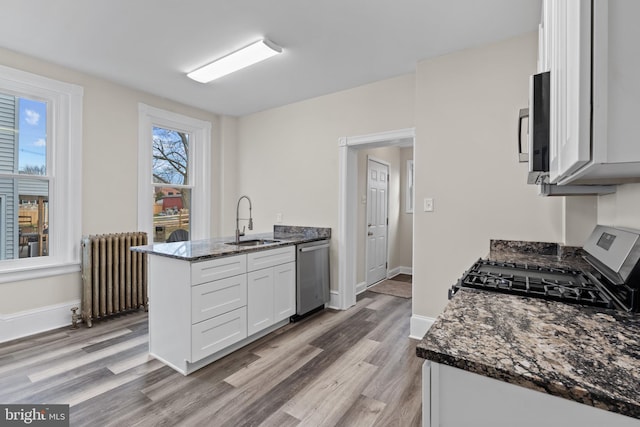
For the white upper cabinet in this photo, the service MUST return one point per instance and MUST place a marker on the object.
(593, 54)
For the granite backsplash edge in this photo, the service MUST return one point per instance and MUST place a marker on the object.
(544, 253)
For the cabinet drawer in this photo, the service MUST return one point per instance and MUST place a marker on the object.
(270, 258)
(215, 334)
(219, 268)
(221, 296)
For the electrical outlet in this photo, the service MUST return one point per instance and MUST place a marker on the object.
(428, 204)
(278, 218)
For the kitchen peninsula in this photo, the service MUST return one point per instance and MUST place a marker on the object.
(513, 360)
(207, 298)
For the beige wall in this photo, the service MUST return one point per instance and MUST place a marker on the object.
(580, 219)
(621, 209)
(228, 172)
(399, 246)
(288, 156)
(109, 170)
(465, 159)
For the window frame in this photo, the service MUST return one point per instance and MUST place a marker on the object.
(64, 174)
(199, 168)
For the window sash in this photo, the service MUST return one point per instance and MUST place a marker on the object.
(64, 174)
(199, 168)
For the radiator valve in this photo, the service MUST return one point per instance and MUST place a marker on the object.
(74, 318)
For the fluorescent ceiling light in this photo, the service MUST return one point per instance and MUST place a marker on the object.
(252, 54)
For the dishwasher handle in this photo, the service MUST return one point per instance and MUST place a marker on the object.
(314, 248)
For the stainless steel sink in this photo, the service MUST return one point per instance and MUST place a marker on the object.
(254, 242)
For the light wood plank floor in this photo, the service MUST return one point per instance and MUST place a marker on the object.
(337, 368)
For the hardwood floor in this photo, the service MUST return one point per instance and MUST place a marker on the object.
(408, 278)
(338, 368)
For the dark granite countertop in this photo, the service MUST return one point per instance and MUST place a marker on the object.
(580, 353)
(199, 250)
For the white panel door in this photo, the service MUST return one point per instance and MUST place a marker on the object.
(377, 200)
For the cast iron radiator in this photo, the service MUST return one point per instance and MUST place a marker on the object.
(114, 279)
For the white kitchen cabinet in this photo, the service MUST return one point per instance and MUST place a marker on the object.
(592, 53)
(260, 291)
(569, 63)
(453, 397)
(218, 307)
(270, 258)
(218, 297)
(544, 38)
(270, 287)
(195, 309)
(203, 310)
(218, 268)
(284, 291)
(217, 333)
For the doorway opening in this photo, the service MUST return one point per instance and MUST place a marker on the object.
(349, 203)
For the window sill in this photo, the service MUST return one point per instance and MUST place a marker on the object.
(37, 272)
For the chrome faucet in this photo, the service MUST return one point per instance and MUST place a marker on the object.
(238, 232)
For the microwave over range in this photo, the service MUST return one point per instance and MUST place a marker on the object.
(538, 114)
(539, 142)
(539, 119)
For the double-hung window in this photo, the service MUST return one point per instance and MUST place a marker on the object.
(174, 172)
(40, 175)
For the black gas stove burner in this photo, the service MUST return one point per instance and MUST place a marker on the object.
(564, 285)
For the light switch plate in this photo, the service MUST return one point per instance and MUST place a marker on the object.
(278, 218)
(428, 204)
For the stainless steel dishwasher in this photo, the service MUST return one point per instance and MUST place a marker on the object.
(313, 278)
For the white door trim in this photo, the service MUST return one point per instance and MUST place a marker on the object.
(366, 246)
(347, 204)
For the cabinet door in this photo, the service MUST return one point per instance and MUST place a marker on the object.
(259, 300)
(494, 403)
(570, 66)
(544, 39)
(284, 292)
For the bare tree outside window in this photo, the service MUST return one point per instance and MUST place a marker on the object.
(33, 170)
(170, 156)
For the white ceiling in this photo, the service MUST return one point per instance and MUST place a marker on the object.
(329, 45)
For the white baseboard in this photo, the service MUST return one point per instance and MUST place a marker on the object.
(419, 326)
(334, 301)
(30, 322)
(361, 287)
(399, 270)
